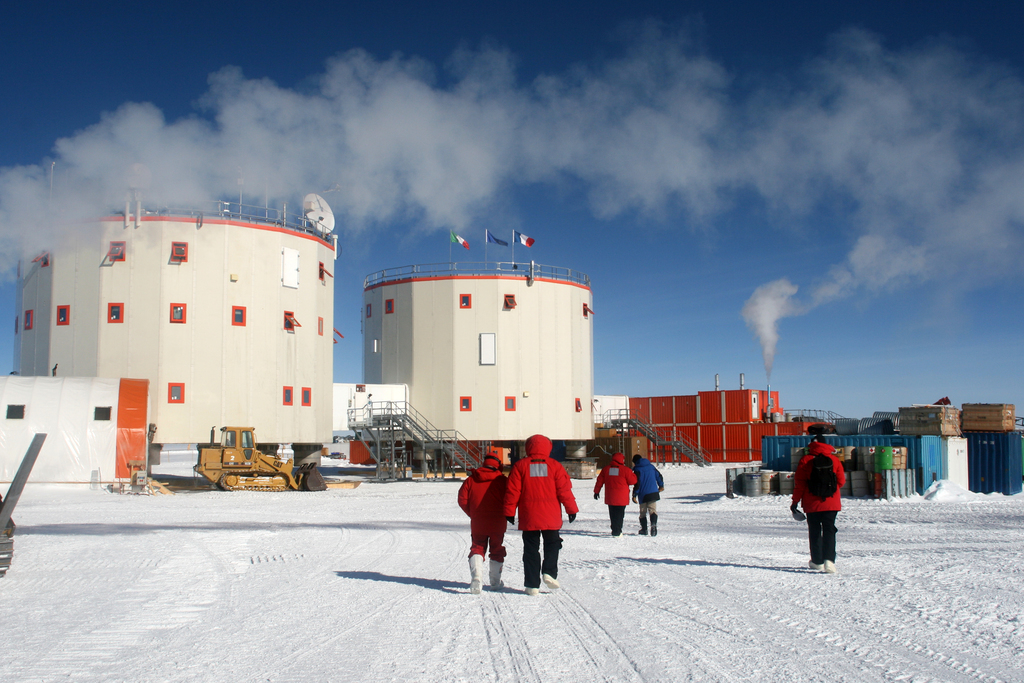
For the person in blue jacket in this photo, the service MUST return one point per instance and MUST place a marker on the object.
(649, 485)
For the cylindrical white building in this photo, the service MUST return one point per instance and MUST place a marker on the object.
(495, 353)
(228, 316)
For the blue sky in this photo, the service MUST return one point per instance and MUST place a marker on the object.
(837, 189)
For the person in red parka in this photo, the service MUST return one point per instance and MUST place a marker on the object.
(616, 478)
(821, 512)
(482, 497)
(539, 487)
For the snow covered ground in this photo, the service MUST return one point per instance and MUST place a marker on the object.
(371, 584)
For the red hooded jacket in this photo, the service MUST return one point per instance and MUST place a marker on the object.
(617, 478)
(482, 497)
(810, 502)
(538, 487)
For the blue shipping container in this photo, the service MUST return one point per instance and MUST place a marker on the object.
(775, 450)
(994, 462)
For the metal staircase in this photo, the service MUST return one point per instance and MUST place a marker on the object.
(626, 420)
(384, 427)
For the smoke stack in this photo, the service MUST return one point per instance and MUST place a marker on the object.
(741, 381)
(716, 381)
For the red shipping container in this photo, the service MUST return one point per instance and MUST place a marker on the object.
(757, 431)
(737, 437)
(686, 410)
(358, 453)
(661, 410)
(792, 428)
(740, 456)
(641, 408)
(711, 437)
(687, 434)
(710, 406)
(742, 405)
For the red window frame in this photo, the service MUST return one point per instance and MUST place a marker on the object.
(320, 326)
(116, 251)
(510, 404)
(66, 310)
(29, 319)
(369, 310)
(287, 396)
(237, 309)
(171, 386)
(179, 252)
(307, 396)
(323, 272)
(579, 406)
(184, 314)
(389, 306)
(290, 323)
(465, 404)
(465, 301)
(120, 313)
(586, 311)
(510, 302)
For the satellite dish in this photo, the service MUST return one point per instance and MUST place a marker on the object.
(317, 212)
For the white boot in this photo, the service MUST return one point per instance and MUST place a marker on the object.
(476, 570)
(496, 575)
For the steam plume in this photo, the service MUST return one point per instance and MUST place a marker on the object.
(769, 304)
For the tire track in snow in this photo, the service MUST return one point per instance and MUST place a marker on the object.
(506, 643)
(579, 621)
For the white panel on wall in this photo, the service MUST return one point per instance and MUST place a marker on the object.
(290, 267)
(488, 353)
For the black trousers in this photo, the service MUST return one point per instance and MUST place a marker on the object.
(616, 513)
(821, 533)
(532, 565)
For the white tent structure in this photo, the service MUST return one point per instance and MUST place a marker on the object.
(96, 427)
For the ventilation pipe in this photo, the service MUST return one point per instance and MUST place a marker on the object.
(127, 210)
(138, 211)
(741, 381)
(716, 381)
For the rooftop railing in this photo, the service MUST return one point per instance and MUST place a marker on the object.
(249, 213)
(529, 271)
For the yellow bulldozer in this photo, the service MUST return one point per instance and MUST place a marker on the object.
(238, 465)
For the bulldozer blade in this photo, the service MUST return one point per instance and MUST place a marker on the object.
(312, 480)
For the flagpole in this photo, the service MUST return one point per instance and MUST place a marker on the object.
(449, 250)
(485, 248)
(513, 248)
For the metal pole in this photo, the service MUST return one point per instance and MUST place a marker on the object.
(18, 483)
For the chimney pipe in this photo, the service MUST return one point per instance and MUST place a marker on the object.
(716, 381)
(741, 380)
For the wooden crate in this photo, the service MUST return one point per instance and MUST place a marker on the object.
(988, 417)
(930, 421)
(583, 468)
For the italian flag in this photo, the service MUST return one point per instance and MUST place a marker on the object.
(522, 239)
(456, 238)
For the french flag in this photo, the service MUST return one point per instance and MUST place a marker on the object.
(522, 239)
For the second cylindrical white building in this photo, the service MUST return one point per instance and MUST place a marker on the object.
(498, 355)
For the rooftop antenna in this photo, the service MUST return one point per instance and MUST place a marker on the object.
(318, 212)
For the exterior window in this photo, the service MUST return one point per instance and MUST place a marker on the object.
(29, 319)
(510, 403)
(320, 326)
(465, 301)
(115, 313)
(307, 396)
(238, 316)
(115, 252)
(369, 310)
(43, 259)
(290, 323)
(465, 403)
(389, 306)
(63, 315)
(488, 348)
(324, 273)
(579, 406)
(179, 252)
(101, 413)
(177, 313)
(15, 412)
(176, 393)
(510, 302)
(287, 400)
(586, 311)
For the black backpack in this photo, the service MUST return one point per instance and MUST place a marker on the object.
(822, 482)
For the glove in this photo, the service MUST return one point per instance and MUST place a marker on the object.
(634, 499)
(511, 520)
(572, 518)
(797, 515)
(792, 508)
(597, 496)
